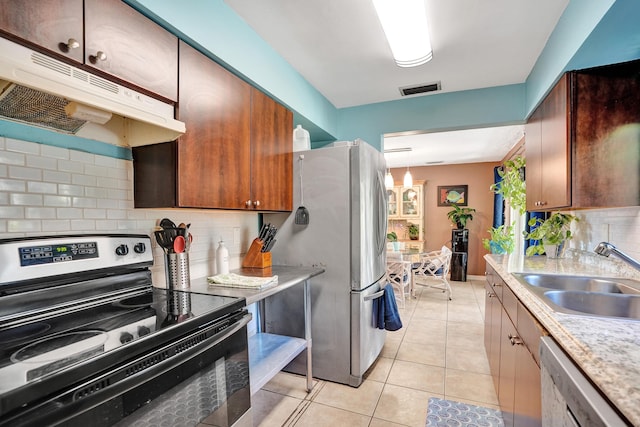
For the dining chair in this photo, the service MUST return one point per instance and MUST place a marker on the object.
(398, 273)
(434, 267)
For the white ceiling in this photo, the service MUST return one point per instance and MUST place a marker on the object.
(339, 47)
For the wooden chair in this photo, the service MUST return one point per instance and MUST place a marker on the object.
(434, 267)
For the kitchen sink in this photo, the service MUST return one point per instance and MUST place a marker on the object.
(580, 283)
(587, 295)
(599, 304)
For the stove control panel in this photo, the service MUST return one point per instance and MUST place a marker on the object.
(47, 256)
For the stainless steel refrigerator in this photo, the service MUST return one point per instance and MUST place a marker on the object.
(345, 195)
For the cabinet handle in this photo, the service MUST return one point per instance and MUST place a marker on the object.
(99, 56)
(490, 294)
(69, 45)
(495, 285)
(256, 203)
(515, 340)
(248, 203)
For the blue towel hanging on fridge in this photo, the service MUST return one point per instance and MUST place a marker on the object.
(385, 311)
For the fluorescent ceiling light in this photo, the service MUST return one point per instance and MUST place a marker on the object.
(405, 24)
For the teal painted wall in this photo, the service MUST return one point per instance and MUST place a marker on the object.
(590, 33)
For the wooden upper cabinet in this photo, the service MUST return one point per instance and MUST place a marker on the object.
(49, 24)
(606, 136)
(214, 154)
(124, 43)
(548, 154)
(105, 35)
(271, 154)
(236, 152)
(582, 145)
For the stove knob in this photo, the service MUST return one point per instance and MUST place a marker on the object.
(122, 250)
(139, 248)
(125, 337)
(143, 330)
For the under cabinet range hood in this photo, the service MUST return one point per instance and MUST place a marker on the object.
(38, 90)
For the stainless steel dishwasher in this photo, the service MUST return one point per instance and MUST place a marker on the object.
(568, 397)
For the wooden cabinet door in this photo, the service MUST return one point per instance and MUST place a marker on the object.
(214, 155)
(492, 330)
(49, 24)
(508, 360)
(533, 154)
(133, 48)
(528, 388)
(271, 154)
(555, 173)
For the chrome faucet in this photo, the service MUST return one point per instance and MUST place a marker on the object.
(606, 249)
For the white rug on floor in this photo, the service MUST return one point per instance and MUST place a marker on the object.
(448, 413)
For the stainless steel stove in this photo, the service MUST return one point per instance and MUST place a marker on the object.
(86, 338)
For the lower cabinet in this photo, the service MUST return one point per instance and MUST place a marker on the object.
(512, 337)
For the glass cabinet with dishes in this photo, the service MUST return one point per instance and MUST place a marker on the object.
(406, 215)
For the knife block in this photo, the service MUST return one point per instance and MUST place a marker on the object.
(255, 258)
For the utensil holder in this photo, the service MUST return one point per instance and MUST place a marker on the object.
(177, 270)
(255, 258)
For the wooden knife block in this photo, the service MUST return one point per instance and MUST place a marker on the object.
(255, 258)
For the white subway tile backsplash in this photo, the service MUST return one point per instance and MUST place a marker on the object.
(116, 214)
(97, 192)
(4, 198)
(9, 212)
(2, 143)
(84, 202)
(108, 162)
(84, 180)
(54, 152)
(70, 213)
(20, 146)
(82, 157)
(12, 185)
(57, 201)
(43, 213)
(105, 182)
(98, 171)
(41, 162)
(42, 187)
(85, 225)
(56, 176)
(95, 213)
(56, 225)
(19, 172)
(23, 226)
(3, 171)
(106, 225)
(70, 190)
(25, 199)
(70, 166)
(9, 158)
(119, 194)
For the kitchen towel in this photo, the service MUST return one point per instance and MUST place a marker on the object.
(385, 311)
(233, 280)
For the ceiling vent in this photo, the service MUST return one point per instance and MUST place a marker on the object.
(423, 88)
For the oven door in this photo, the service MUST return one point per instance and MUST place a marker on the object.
(201, 377)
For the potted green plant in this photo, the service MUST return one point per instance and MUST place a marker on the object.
(512, 186)
(550, 234)
(414, 231)
(459, 216)
(393, 238)
(501, 240)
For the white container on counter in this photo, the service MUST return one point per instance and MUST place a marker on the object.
(222, 258)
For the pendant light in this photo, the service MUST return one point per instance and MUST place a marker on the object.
(408, 179)
(388, 180)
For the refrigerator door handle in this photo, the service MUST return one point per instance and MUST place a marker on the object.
(382, 213)
(374, 296)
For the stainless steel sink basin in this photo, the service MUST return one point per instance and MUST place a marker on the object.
(599, 304)
(580, 283)
(587, 295)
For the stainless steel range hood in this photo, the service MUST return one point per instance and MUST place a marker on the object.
(38, 90)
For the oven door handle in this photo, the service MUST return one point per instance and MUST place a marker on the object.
(244, 321)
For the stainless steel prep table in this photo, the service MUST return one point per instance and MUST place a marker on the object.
(269, 353)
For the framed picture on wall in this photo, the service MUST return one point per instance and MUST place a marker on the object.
(453, 195)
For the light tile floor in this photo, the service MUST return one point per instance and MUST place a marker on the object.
(438, 353)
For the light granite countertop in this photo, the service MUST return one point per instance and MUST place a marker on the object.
(606, 349)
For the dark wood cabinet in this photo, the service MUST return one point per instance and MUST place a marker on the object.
(235, 154)
(55, 25)
(512, 338)
(548, 172)
(125, 44)
(105, 35)
(582, 141)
